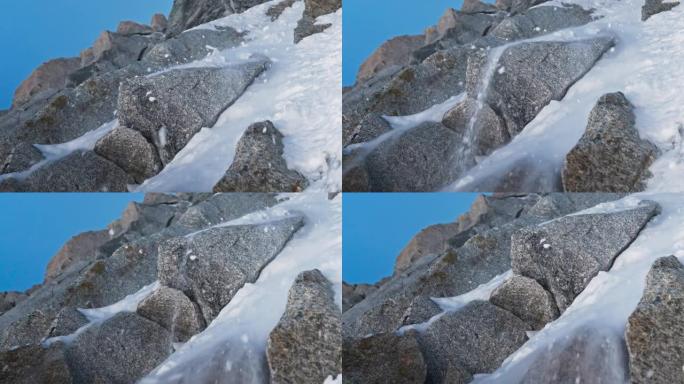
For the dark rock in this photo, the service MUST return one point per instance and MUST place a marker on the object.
(120, 350)
(224, 207)
(540, 21)
(516, 6)
(33, 364)
(190, 46)
(159, 23)
(429, 241)
(171, 309)
(9, 300)
(132, 28)
(312, 9)
(27, 330)
(17, 156)
(526, 299)
(306, 344)
(561, 204)
(355, 293)
(653, 7)
(610, 156)
(275, 11)
(588, 355)
(48, 77)
(68, 321)
(259, 165)
(81, 171)
(82, 247)
(369, 128)
(117, 50)
(170, 108)
(477, 337)
(395, 51)
(383, 358)
(212, 265)
(655, 333)
(563, 255)
(460, 27)
(477, 6)
(186, 14)
(129, 150)
(421, 310)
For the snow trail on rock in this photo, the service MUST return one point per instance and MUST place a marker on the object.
(234, 344)
(300, 93)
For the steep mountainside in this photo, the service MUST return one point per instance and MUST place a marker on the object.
(537, 96)
(179, 105)
(550, 288)
(188, 288)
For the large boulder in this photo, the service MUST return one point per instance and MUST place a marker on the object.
(586, 355)
(477, 338)
(563, 255)
(174, 311)
(121, 350)
(79, 248)
(117, 50)
(429, 241)
(17, 156)
(610, 156)
(224, 207)
(306, 344)
(9, 300)
(128, 149)
(653, 7)
(479, 127)
(212, 265)
(81, 171)
(526, 299)
(33, 364)
(655, 333)
(48, 77)
(170, 108)
(190, 46)
(67, 321)
(396, 51)
(460, 27)
(259, 165)
(383, 358)
(27, 330)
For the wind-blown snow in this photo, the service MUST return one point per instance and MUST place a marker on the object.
(645, 65)
(453, 304)
(234, 343)
(301, 94)
(612, 296)
(97, 316)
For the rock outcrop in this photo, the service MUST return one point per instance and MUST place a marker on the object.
(313, 9)
(84, 245)
(49, 77)
(655, 334)
(654, 7)
(306, 345)
(396, 51)
(526, 299)
(610, 156)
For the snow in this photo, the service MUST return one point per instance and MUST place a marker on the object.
(611, 296)
(644, 65)
(332, 380)
(300, 94)
(55, 152)
(453, 304)
(97, 316)
(236, 340)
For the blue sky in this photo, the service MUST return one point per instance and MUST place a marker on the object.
(33, 227)
(35, 31)
(377, 226)
(369, 23)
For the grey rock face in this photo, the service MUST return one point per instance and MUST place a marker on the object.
(159, 23)
(186, 14)
(477, 337)
(515, 6)
(33, 364)
(420, 159)
(28, 330)
(170, 108)
(489, 129)
(429, 241)
(212, 265)
(526, 299)
(355, 293)
(48, 77)
(128, 149)
(17, 156)
(68, 320)
(540, 21)
(259, 165)
(139, 346)
(80, 247)
(9, 300)
(132, 28)
(421, 310)
(81, 171)
(383, 358)
(224, 207)
(275, 11)
(171, 309)
(655, 333)
(653, 7)
(190, 46)
(476, 6)
(306, 345)
(312, 9)
(588, 355)
(396, 51)
(610, 156)
(535, 74)
(369, 128)
(565, 254)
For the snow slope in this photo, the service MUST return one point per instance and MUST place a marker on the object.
(233, 345)
(300, 93)
(645, 65)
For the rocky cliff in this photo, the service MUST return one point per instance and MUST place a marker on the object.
(535, 288)
(122, 112)
(517, 96)
(173, 277)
